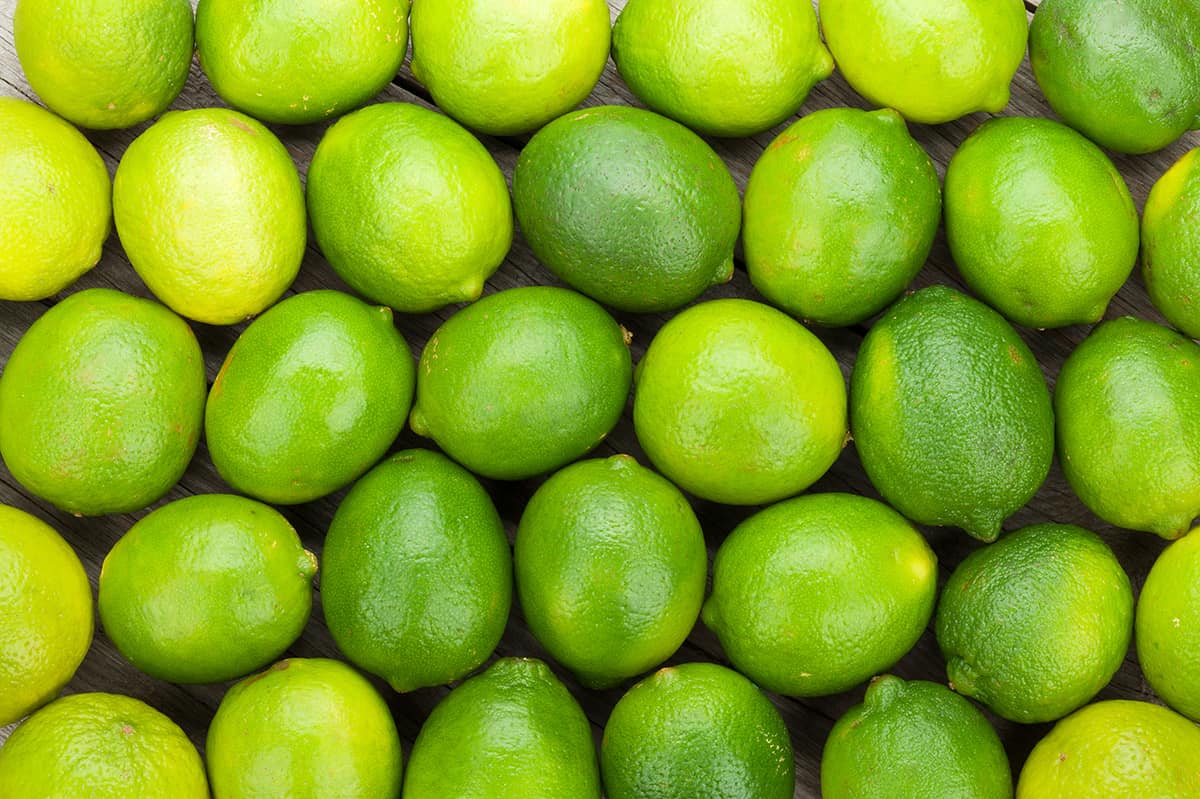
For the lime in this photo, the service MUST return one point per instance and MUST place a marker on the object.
(610, 563)
(696, 731)
(522, 382)
(55, 209)
(841, 212)
(721, 67)
(1040, 222)
(210, 211)
(737, 403)
(509, 68)
(1168, 626)
(1171, 245)
(815, 595)
(630, 208)
(408, 207)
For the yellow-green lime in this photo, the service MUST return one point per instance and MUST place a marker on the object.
(55, 202)
(408, 207)
(610, 565)
(738, 403)
(210, 211)
(45, 613)
(1171, 245)
(206, 589)
(721, 67)
(509, 68)
(817, 594)
(105, 63)
(1168, 626)
(696, 731)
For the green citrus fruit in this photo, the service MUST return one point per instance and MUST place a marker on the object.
(950, 413)
(311, 395)
(817, 594)
(737, 403)
(522, 382)
(55, 209)
(509, 68)
(610, 564)
(1123, 72)
(409, 208)
(841, 212)
(206, 589)
(696, 731)
(1168, 626)
(916, 739)
(45, 613)
(105, 63)
(418, 576)
(1127, 403)
(101, 403)
(210, 211)
(931, 60)
(102, 746)
(630, 208)
(721, 67)
(1040, 222)
(1171, 245)
(295, 62)
(512, 731)
(1115, 750)
(1036, 624)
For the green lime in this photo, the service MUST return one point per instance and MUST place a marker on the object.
(932, 60)
(210, 211)
(629, 207)
(1036, 624)
(841, 212)
(509, 69)
(721, 67)
(311, 395)
(1168, 626)
(917, 739)
(102, 746)
(295, 62)
(307, 728)
(206, 589)
(1123, 72)
(417, 580)
(738, 403)
(696, 731)
(950, 413)
(817, 594)
(45, 613)
(512, 731)
(55, 208)
(1171, 245)
(1127, 404)
(1115, 750)
(101, 403)
(105, 64)
(522, 382)
(409, 208)
(610, 563)
(1040, 222)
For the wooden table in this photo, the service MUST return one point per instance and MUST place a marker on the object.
(808, 720)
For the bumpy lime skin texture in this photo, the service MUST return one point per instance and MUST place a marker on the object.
(417, 579)
(610, 565)
(522, 382)
(311, 395)
(841, 211)
(696, 731)
(513, 730)
(629, 207)
(815, 595)
(1168, 626)
(914, 739)
(101, 403)
(1123, 72)
(950, 413)
(1171, 245)
(1127, 402)
(1040, 222)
